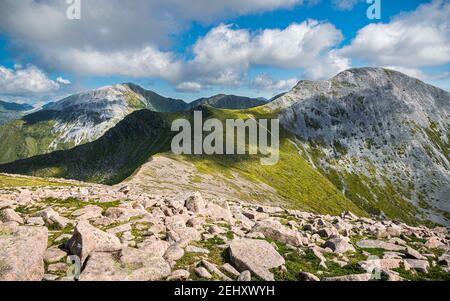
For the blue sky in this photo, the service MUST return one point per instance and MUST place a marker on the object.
(193, 48)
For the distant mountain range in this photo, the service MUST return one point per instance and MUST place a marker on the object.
(86, 116)
(10, 111)
(369, 140)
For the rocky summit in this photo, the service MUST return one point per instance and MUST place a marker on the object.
(76, 231)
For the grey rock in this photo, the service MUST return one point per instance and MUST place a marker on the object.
(257, 256)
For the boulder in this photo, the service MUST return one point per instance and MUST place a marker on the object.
(228, 268)
(355, 277)
(154, 247)
(52, 218)
(9, 215)
(88, 212)
(127, 265)
(35, 221)
(372, 265)
(418, 265)
(87, 239)
(378, 244)
(220, 213)
(257, 256)
(304, 276)
(54, 254)
(245, 276)
(434, 243)
(179, 275)
(22, 251)
(203, 273)
(411, 253)
(212, 268)
(195, 203)
(173, 253)
(339, 245)
(276, 231)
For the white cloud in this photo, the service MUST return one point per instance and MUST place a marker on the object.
(345, 4)
(264, 82)
(420, 38)
(63, 81)
(115, 25)
(225, 54)
(25, 81)
(192, 87)
(144, 62)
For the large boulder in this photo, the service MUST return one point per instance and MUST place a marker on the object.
(87, 239)
(276, 231)
(378, 244)
(127, 265)
(52, 218)
(22, 252)
(257, 256)
(87, 213)
(339, 244)
(195, 203)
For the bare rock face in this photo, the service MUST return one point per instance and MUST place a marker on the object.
(22, 252)
(276, 231)
(87, 239)
(257, 256)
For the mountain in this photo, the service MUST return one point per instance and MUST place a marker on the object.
(85, 117)
(380, 136)
(11, 106)
(120, 151)
(373, 141)
(233, 102)
(137, 150)
(10, 111)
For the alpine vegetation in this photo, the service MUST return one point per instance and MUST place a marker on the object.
(234, 141)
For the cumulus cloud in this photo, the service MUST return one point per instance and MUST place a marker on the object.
(345, 4)
(116, 24)
(226, 53)
(100, 44)
(264, 82)
(144, 62)
(192, 87)
(63, 81)
(25, 81)
(420, 38)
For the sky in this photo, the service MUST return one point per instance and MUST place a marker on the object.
(190, 49)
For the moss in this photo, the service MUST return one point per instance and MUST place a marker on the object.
(434, 274)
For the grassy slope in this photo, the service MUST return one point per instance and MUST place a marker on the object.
(123, 149)
(27, 137)
(109, 159)
(296, 182)
(7, 181)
